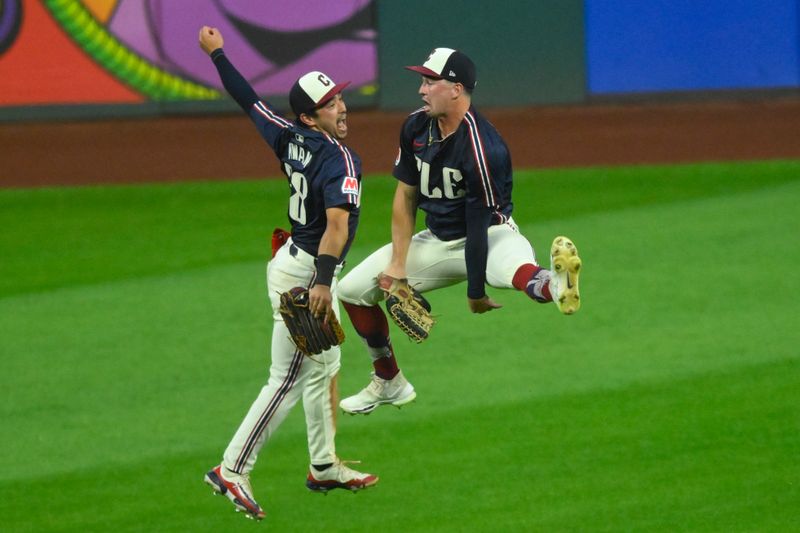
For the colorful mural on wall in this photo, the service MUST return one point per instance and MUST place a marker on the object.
(10, 19)
(139, 50)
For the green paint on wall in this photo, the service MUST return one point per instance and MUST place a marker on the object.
(527, 52)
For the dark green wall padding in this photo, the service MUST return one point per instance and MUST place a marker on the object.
(527, 52)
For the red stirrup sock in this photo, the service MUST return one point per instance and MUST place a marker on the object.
(371, 325)
(386, 366)
(534, 281)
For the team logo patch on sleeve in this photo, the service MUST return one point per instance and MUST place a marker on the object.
(350, 185)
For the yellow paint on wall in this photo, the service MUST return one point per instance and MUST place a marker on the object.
(100, 9)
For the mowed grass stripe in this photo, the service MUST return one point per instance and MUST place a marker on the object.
(668, 403)
(145, 348)
(711, 453)
(81, 235)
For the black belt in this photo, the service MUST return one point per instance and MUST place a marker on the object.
(293, 249)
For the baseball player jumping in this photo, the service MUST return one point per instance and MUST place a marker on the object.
(325, 183)
(452, 164)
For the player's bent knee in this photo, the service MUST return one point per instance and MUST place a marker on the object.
(344, 291)
(354, 291)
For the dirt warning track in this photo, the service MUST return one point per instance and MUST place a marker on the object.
(228, 147)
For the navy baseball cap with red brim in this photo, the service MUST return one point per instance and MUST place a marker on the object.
(448, 64)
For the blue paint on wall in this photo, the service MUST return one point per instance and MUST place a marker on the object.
(690, 45)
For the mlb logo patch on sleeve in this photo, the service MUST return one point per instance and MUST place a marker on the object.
(350, 185)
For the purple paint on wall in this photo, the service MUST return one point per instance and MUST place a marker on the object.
(10, 20)
(272, 43)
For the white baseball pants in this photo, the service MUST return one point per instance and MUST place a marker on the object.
(291, 375)
(433, 264)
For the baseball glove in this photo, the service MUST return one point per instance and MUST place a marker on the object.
(310, 334)
(407, 307)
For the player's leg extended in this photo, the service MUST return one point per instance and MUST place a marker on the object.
(320, 414)
(360, 295)
(512, 263)
(318, 400)
(287, 377)
(283, 389)
(433, 264)
(288, 373)
(288, 370)
(327, 471)
(430, 264)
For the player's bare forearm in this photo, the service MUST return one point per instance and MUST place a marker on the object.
(336, 232)
(320, 299)
(404, 216)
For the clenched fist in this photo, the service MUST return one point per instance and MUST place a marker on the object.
(210, 39)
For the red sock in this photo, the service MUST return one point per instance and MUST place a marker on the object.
(523, 275)
(369, 322)
(522, 281)
(371, 325)
(386, 367)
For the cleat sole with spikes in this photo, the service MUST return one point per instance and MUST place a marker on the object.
(565, 265)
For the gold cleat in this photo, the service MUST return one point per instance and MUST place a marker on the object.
(565, 266)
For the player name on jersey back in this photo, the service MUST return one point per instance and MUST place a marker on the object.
(298, 153)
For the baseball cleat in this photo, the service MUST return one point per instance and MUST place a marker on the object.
(396, 391)
(237, 489)
(338, 476)
(565, 266)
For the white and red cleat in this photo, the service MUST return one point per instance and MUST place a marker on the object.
(396, 391)
(237, 489)
(338, 476)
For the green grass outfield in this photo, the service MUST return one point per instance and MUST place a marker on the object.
(134, 330)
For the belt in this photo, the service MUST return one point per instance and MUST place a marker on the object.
(294, 250)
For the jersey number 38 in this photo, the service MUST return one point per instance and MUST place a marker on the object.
(297, 201)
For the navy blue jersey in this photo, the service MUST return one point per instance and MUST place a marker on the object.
(322, 173)
(471, 167)
(464, 183)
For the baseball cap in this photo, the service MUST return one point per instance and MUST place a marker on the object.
(449, 64)
(313, 90)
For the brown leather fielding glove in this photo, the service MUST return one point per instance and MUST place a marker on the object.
(310, 334)
(407, 307)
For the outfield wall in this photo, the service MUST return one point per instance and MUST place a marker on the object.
(527, 51)
(111, 58)
(686, 45)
